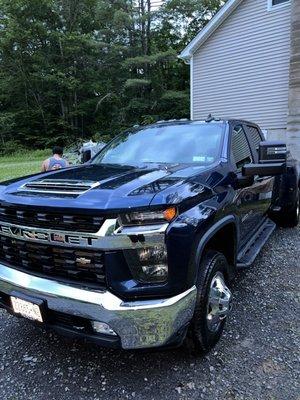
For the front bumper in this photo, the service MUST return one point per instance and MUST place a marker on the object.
(138, 324)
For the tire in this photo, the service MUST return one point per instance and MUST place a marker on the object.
(288, 217)
(203, 334)
(285, 198)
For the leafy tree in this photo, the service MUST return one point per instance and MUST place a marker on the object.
(72, 69)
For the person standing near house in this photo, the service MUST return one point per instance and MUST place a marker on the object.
(56, 161)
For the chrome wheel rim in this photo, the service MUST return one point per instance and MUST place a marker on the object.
(219, 302)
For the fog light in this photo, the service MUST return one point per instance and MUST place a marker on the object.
(102, 327)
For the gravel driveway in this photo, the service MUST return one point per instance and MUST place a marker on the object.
(258, 357)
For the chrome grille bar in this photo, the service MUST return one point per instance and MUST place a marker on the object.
(60, 219)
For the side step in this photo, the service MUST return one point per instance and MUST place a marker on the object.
(250, 251)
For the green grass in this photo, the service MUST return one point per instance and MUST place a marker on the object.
(23, 163)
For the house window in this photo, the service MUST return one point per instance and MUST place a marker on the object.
(277, 3)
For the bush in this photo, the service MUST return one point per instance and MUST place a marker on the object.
(11, 147)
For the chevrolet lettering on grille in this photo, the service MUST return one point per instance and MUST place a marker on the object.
(49, 237)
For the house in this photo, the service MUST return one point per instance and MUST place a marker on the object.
(245, 64)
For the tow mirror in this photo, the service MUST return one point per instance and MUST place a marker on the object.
(270, 169)
(272, 152)
(272, 160)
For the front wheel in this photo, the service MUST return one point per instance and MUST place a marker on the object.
(213, 304)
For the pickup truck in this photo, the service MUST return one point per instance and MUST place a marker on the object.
(137, 248)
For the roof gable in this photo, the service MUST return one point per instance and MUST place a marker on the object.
(209, 29)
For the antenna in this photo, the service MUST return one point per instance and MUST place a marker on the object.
(210, 118)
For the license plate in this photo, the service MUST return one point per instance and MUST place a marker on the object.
(26, 309)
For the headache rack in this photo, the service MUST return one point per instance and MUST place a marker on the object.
(59, 186)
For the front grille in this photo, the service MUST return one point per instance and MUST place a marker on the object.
(51, 220)
(59, 263)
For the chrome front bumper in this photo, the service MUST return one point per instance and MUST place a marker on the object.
(139, 324)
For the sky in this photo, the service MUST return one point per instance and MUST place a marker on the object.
(156, 3)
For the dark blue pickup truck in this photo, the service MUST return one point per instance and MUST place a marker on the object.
(137, 248)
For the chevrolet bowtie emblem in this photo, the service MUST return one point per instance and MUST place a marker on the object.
(83, 261)
(58, 238)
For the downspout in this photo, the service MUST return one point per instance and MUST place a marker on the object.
(189, 60)
(293, 126)
(192, 88)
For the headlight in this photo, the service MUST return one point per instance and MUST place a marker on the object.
(148, 217)
(148, 265)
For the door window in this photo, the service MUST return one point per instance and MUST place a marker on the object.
(240, 148)
(255, 135)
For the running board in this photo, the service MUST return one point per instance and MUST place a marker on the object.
(250, 251)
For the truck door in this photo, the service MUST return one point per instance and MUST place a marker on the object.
(247, 193)
(263, 184)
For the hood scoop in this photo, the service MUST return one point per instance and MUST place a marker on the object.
(60, 187)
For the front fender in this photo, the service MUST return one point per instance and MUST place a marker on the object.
(203, 240)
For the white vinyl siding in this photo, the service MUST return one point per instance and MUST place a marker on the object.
(242, 70)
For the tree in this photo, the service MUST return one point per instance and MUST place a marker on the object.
(71, 69)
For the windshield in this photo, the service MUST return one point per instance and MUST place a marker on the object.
(179, 144)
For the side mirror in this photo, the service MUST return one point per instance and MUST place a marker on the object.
(86, 156)
(272, 160)
(271, 169)
(272, 152)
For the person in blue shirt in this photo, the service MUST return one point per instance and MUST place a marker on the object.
(56, 161)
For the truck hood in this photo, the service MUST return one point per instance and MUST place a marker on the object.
(107, 187)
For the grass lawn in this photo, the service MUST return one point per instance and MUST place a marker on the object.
(20, 164)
